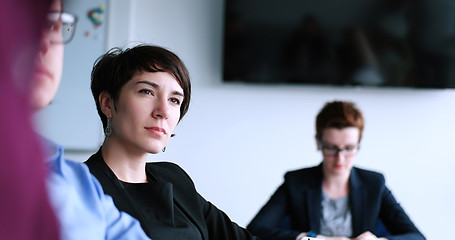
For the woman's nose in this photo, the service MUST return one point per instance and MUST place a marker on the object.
(45, 42)
(161, 109)
(340, 154)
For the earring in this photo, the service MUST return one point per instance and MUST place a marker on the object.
(108, 130)
(164, 149)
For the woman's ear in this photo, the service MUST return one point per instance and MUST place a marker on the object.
(106, 104)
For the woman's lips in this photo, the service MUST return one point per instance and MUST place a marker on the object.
(41, 70)
(156, 131)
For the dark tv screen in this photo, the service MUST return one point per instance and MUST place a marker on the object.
(396, 43)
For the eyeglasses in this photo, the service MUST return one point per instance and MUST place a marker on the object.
(349, 151)
(60, 27)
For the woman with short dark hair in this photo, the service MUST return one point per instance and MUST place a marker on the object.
(141, 94)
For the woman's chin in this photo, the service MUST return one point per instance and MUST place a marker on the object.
(38, 103)
(155, 150)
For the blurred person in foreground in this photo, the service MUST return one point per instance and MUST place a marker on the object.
(81, 207)
(25, 210)
(334, 200)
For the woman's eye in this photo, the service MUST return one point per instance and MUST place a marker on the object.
(53, 25)
(175, 101)
(146, 91)
(50, 25)
(350, 148)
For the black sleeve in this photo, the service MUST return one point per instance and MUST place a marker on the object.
(268, 223)
(220, 226)
(217, 223)
(396, 220)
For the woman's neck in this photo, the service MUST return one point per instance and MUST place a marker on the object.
(127, 165)
(336, 186)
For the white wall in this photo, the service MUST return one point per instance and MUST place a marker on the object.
(238, 140)
(74, 99)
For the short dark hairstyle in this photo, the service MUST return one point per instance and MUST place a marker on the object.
(114, 69)
(339, 114)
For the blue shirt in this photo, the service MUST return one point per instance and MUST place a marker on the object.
(82, 208)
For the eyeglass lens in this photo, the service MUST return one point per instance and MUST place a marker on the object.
(348, 151)
(61, 26)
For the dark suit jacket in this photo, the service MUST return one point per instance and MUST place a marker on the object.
(298, 202)
(211, 222)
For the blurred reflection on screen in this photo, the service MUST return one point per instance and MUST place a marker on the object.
(403, 43)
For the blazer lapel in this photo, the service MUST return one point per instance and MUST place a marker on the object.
(313, 199)
(313, 195)
(358, 198)
(179, 203)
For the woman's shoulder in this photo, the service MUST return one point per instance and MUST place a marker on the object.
(367, 172)
(304, 172)
(164, 166)
(311, 176)
(168, 171)
(369, 176)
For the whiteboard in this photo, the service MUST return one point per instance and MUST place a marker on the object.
(71, 119)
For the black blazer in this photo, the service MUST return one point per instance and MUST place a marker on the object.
(211, 222)
(295, 207)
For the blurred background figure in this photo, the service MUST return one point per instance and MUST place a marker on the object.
(334, 200)
(24, 204)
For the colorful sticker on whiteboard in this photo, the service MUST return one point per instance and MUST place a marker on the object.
(96, 15)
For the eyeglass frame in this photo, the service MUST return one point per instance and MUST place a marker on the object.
(61, 15)
(334, 151)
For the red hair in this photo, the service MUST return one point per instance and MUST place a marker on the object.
(339, 114)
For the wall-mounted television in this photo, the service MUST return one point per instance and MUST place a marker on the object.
(393, 43)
